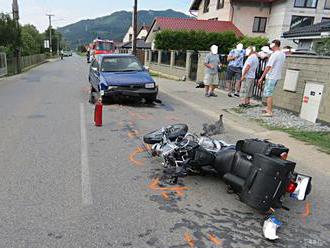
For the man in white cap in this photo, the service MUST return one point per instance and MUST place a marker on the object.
(212, 64)
(234, 70)
(272, 73)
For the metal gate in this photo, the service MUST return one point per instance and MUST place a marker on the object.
(257, 90)
(193, 66)
(3, 64)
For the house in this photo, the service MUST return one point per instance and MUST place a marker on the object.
(308, 36)
(167, 23)
(270, 18)
(140, 44)
(142, 33)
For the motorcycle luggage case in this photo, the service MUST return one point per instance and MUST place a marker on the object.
(266, 182)
(253, 146)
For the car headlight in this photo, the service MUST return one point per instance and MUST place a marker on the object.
(149, 86)
(112, 87)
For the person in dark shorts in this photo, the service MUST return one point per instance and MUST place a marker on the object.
(234, 70)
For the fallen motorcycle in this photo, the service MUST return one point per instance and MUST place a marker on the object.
(256, 170)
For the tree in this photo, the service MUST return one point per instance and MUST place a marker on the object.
(7, 33)
(322, 47)
(31, 40)
(257, 42)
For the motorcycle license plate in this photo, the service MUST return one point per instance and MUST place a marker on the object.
(303, 182)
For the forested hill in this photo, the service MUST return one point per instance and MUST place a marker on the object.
(112, 27)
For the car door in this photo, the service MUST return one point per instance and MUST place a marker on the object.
(95, 74)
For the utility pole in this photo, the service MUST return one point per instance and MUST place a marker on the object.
(17, 41)
(134, 27)
(50, 33)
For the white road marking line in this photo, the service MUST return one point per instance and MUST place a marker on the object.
(85, 179)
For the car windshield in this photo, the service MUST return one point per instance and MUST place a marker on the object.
(105, 46)
(120, 64)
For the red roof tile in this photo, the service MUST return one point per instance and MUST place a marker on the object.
(196, 3)
(194, 24)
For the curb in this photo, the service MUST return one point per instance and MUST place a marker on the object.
(210, 113)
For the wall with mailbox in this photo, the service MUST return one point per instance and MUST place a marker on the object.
(298, 73)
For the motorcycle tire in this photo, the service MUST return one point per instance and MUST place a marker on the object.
(156, 136)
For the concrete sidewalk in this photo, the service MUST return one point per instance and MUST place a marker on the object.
(185, 92)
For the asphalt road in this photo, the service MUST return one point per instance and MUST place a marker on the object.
(66, 183)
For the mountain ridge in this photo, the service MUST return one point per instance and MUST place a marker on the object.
(113, 26)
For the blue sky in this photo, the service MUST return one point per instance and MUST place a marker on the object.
(69, 11)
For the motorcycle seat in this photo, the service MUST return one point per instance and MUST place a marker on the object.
(240, 171)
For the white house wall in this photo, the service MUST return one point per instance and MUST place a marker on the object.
(142, 34)
(126, 38)
(244, 17)
(223, 14)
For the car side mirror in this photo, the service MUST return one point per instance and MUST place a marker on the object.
(146, 68)
(94, 69)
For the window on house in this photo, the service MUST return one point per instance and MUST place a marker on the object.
(305, 3)
(206, 6)
(130, 37)
(327, 4)
(220, 4)
(259, 24)
(301, 21)
(325, 19)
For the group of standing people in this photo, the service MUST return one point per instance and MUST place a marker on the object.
(243, 72)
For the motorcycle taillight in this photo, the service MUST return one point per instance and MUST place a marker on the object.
(284, 156)
(291, 187)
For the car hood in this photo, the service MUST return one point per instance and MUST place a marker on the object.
(126, 78)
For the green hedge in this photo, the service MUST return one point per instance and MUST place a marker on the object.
(195, 40)
(202, 41)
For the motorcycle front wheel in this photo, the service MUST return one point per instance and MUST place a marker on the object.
(175, 131)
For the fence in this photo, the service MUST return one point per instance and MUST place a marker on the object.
(180, 58)
(190, 64)
(3, 65)
(26, 61)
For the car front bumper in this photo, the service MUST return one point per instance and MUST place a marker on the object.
(127, 92)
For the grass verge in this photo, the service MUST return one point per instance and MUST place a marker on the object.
(319, 139)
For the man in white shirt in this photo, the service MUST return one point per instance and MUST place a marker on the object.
(272, 74)
(248, 76)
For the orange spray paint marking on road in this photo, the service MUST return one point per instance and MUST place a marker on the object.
(165, 195)
(189, 240)
(214, 239)
(138, 150)
(307, 211)
(179, 190)
(133, 134)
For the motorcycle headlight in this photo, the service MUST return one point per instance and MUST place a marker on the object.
(149, 86)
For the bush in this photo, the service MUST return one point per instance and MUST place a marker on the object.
(258, 42)
(195, 40)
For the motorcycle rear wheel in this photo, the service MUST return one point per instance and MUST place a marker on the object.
(175, 131)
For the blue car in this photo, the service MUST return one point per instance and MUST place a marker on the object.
(121, 76)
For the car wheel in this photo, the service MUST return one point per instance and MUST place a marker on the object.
(150, 100)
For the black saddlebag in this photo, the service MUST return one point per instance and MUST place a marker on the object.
(253, 146)
(266, 183)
